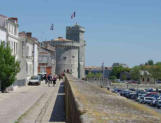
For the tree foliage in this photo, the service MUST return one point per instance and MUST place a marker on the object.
(135, 73)
(150, 62)
(113, 77)
(9, 67)
(116, 71)
(94, 75)
(153, 69)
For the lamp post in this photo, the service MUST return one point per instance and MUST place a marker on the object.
(102, 74)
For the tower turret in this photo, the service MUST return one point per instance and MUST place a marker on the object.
(76, 33)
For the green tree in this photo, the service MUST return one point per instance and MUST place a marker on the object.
(150, 62)
(135, 73)
(90, 75)
(155, 72)
(98, 75)
(9, 67)
(158, 63)
(124, 76)
(113, 77)
(117, 70)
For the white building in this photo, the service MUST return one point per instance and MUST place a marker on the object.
(24, 48)
(28, 56)
(9, 31)
(35, 56)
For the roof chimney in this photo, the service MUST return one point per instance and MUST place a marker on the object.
(29, 34)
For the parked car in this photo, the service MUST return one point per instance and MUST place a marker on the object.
(35, 80)
(153, 102)
(150, 90)
(140, 99)
(116, 90)
(42, 76)
(149, 100)
(158, 81)
(133, 95)
(124, 92)
(158, 103)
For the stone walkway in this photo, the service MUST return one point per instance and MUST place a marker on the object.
(33, 104)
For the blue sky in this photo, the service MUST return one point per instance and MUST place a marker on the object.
(126, 31)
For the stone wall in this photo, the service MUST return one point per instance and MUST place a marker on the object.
(87, 103)
(67, 59)
(72, 110)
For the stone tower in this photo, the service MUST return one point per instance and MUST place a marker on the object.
(70, 52)
(76, 33)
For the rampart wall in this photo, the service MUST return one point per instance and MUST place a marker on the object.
(87, 103)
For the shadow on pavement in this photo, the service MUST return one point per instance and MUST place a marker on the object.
(58, 113)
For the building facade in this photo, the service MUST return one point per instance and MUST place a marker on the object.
(9, 31)
(47, 59)
(146, 78)
(28, 53)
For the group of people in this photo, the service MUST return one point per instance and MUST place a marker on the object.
(49, 79)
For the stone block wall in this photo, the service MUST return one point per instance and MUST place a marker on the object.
(71, 106)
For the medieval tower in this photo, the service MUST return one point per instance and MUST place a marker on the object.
(70, 52)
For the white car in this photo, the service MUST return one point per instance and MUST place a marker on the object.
(148, 100)
(35, 80)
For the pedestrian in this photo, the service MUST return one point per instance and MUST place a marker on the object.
(45, 78)
(59, 77)
(54, 80)
(49, 79)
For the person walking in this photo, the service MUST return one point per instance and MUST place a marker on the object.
(49, 79)
(45, 78)
(54, 80)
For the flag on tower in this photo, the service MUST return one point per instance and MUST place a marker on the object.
(73, 15)
(52, 27)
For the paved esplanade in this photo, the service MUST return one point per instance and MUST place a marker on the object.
(33, 104)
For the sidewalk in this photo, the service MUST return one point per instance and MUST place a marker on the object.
(32, 104)
(49, 109)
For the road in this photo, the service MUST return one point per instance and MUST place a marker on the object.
(31, 104)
